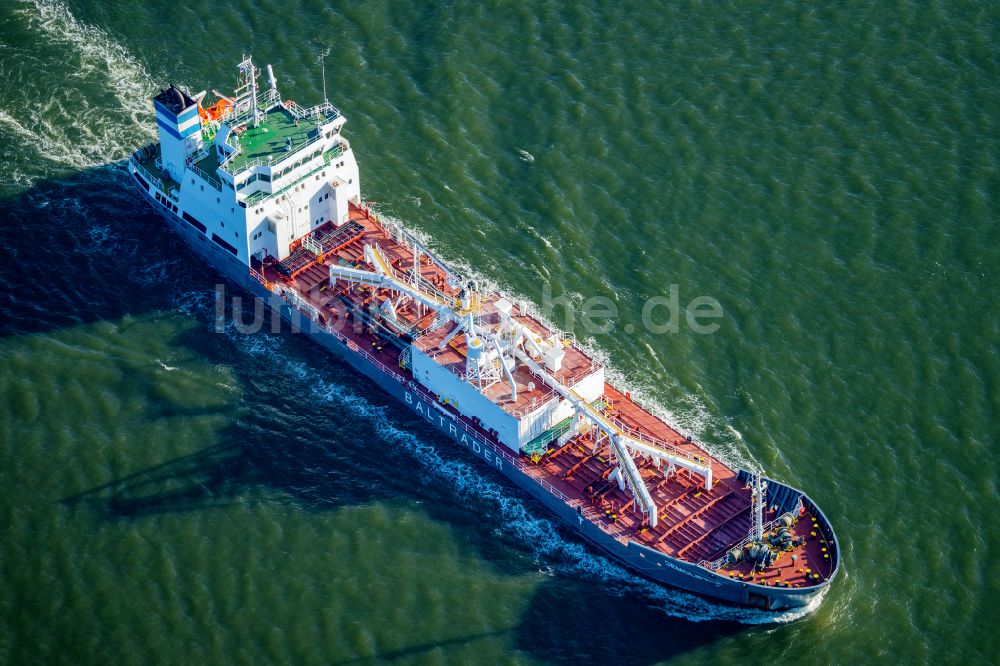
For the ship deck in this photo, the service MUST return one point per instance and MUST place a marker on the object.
(273, 137)
(694, 524)
(532, 391)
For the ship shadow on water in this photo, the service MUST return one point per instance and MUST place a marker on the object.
(206, 479)
(84, 249)
(572, 620)
(549, 629)
(303, 470)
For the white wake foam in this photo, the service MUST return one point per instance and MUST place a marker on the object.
(69, 125)
(539, 536)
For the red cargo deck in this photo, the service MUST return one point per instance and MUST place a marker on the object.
(694, 524)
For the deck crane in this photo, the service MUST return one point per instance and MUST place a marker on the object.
(623, 445)
(518, 342)
(481, 345)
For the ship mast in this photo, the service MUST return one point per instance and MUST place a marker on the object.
(246, 92)
(757, 502)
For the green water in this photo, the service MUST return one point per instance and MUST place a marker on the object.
(830, 174)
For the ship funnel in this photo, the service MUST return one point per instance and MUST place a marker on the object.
(180, 129)
(270, 76)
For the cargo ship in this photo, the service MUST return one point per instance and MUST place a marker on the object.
(268, 192)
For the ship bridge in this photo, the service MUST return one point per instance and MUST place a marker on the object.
(264, 143)
(254, 172)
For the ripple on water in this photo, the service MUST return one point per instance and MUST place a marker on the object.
(826, 173)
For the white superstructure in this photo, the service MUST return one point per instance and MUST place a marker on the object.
(254, 172)
(257, 175)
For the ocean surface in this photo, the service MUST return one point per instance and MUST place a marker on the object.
(829, 173)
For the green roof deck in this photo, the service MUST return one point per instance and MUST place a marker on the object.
(269, 139)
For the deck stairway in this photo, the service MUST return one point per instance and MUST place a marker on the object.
(318, 244)
(539, 445)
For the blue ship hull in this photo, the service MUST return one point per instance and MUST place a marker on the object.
(649, 563)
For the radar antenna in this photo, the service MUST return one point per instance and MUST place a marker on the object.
(322, 66)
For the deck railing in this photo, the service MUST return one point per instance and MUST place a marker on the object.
(326, 109)
(635, 433)
(155, 180)
(257, 275)
(335, 151)
(265, 100)
(718, 562)
(227, 165)
(546, 393)
(211, 179)
(498, 449)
